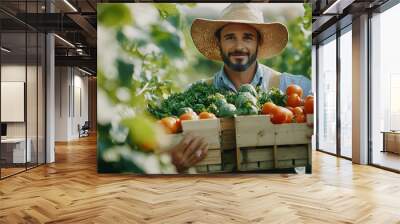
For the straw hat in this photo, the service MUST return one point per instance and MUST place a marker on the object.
(274, 35)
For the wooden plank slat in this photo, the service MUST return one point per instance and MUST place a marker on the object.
(257, 154)
(292, 152)
(213, 157)
(254, 130)
(291, 134)
(208, 129)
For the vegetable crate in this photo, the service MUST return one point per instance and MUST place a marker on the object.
(210, 129)
(251, 143)
(262, 145)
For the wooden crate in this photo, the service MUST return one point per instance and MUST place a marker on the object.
(210, 130)
(219, 134)
(250, 143)
(263, 145)
(228, 133)
(227, 150)
(209, 168)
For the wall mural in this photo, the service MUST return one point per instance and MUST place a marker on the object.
(204, 88)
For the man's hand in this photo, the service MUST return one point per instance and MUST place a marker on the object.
(190, 150)
(310, 124)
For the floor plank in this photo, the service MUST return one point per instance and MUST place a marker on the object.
(70, 191)
(387, 159)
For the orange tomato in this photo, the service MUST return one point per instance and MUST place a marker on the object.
(289, 115)
(309, 105)
(291, 89)
(171, 124)
(207, 115)
(189, 116)
(148, 146)
(290, 108)
(309, 97)
(298, 110)
(300, 118)
(268, 108)
(279, 115)
(293, 100)
(179, 124)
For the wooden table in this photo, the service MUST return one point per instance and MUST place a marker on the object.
(391, 141)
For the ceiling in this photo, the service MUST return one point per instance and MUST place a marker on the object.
(75, 22)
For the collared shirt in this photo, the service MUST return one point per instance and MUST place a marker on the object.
(261, 78)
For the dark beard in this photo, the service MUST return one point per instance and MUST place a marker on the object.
(238, 67)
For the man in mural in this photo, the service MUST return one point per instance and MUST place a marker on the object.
(238, 38)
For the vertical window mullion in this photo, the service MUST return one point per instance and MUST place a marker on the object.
(338, 74)
(316, 97)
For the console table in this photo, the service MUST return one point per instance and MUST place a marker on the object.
(13, 150)
(391, 141)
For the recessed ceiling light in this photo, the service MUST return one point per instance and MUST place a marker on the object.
(5, 50)
(70, 5)
(64, 40)
(84, 71)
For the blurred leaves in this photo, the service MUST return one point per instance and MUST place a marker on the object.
(142, 131)
(114, 15)
(168, 40)
(167, 9)
(296, 58)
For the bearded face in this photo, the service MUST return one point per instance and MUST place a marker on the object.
(238, 46)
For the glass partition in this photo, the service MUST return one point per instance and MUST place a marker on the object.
(327, 96)
(22, 88)
(14, 154)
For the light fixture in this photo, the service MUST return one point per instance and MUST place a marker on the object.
(84, 71)
(64, 40)
(70, 5)
(333, 6)
(337, 7)
(5, 50)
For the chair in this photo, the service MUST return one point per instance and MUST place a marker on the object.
(84, 130)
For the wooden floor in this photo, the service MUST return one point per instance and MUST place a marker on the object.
(387, 159)
(70, 191)
(5, 172)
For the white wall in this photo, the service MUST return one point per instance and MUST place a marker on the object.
(62, 81)
(12, 73)
(71, 94)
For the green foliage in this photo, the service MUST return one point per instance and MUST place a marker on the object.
(274, 95)
(114, 15)
(198, 94)
(296, 58)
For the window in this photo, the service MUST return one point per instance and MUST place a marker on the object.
(385, 84)
(327, 96)
(346, 93)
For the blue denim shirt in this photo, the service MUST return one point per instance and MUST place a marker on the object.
(261, 78)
